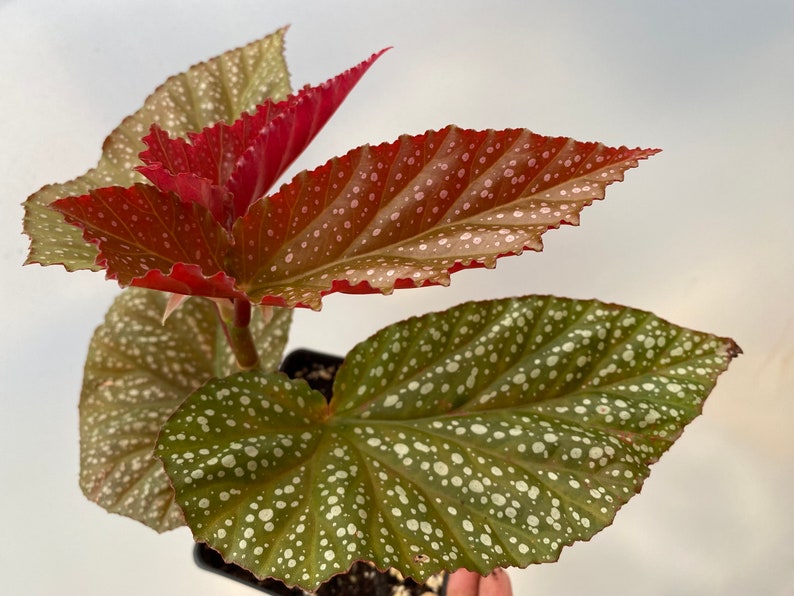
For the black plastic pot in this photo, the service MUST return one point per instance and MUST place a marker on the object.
(319, 370)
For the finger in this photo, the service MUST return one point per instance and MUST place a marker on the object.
(463, 583)
(495, 584)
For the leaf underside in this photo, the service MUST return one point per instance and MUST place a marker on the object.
(489, 435)
(137, 372)
(219, 89)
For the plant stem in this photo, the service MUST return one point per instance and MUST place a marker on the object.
(240, 338)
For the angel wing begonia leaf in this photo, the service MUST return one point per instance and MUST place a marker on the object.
(489, 435)
(146, 236)
(138, 370)
(248, 155)
(411, 212)
(219, 89)
(286, 136)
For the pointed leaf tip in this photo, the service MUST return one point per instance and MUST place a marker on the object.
(294, 125)
(248, 155)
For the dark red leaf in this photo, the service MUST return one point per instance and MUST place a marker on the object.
(152, 239)
(211, 154)
(190, 188)
(288, 134)
(250, 154)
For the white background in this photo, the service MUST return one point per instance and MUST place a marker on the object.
(700, 234)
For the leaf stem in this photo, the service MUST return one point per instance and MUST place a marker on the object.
(240, 338)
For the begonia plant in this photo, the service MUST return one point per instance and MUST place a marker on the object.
(488, 435)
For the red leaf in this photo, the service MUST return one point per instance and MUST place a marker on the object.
(211, 154)
(288, 134)
(193, 189)
(249, 155)
(152, 239)
(190, 280)
(412, 212)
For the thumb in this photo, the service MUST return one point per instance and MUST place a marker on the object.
(495, 584)
(468, 583)
(463, 583)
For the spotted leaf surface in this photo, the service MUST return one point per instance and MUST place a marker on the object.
(411, 212)
(247, 157)
(489, 435)
(137, 372)
(146, 237)
(217, 90)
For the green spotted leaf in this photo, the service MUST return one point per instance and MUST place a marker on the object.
(137, 372)
(219, 89)
(489, 435)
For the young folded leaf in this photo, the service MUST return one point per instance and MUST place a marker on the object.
(489, 435)
(241, 161)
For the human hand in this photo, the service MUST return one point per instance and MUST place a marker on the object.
(468, 583)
